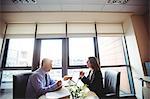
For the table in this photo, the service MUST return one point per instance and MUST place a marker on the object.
(145, 79)
(146, 93)
(65, 94)
(62, 93)
(146, 90)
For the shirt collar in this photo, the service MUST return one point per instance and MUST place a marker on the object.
(92, 71)
(43, 72)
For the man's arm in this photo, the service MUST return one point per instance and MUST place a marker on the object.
(39, 88)
(51, 81)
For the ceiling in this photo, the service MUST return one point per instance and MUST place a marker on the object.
(135, 6)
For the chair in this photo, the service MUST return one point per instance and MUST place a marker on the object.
(147, 67)
(19, 85)
(111, 84)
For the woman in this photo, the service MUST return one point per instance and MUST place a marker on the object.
(94, 79)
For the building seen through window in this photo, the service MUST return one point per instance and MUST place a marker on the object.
(111, 51)
(20, 53)
(79, 50)
(52, 49)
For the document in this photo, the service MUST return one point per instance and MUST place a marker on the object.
(61, 93)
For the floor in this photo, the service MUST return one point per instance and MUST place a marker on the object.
(6, 94)
(6, 91)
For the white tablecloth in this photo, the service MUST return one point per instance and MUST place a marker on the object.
(64, 91)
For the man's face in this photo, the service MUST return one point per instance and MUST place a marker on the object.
(48, 65)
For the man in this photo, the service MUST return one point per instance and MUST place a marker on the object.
(39, 83)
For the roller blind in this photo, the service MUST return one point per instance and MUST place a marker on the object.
(79, 30)
(51, 30)
(20, 30)
(109, 29)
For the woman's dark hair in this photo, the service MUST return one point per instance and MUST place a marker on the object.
(94, 63)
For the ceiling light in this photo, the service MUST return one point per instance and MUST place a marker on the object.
(117, 1)
(24, 1)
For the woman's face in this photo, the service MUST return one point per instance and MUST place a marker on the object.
(89, 64)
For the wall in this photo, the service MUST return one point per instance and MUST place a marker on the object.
(149, 29)
(142, 36)
(134, 56)
(2, 29)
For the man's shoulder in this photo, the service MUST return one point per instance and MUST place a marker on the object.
(36, 74)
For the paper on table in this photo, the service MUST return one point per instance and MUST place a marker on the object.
(68, 83)
(63, 92)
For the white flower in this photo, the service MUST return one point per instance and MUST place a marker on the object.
(77, 91)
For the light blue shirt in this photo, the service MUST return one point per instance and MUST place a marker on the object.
(37, 84)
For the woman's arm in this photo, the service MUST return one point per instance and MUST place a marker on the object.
(85, 80)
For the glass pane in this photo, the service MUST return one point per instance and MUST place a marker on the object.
(56, 74)
(111, 51)
(7, 77)
(52, 49)
(124, 81)
(79, 50)
(75, 73)
(20, 53)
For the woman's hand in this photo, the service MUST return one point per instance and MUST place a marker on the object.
(81, 74)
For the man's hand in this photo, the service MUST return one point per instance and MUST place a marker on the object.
(59, 83)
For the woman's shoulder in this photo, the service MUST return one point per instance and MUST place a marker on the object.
(98, 72)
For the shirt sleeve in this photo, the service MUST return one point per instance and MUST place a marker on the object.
(51, 81)
(40, 89)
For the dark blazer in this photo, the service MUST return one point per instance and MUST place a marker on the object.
(95, 84)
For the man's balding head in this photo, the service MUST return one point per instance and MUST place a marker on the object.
(46, 64)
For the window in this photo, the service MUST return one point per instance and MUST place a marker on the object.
(52, 49)
(8, 74)
(111, 51)
(56, 74)
(75, 73)
(82, 44)
(20, 53)
(112, 54)
(79, 50)
(124, 81)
